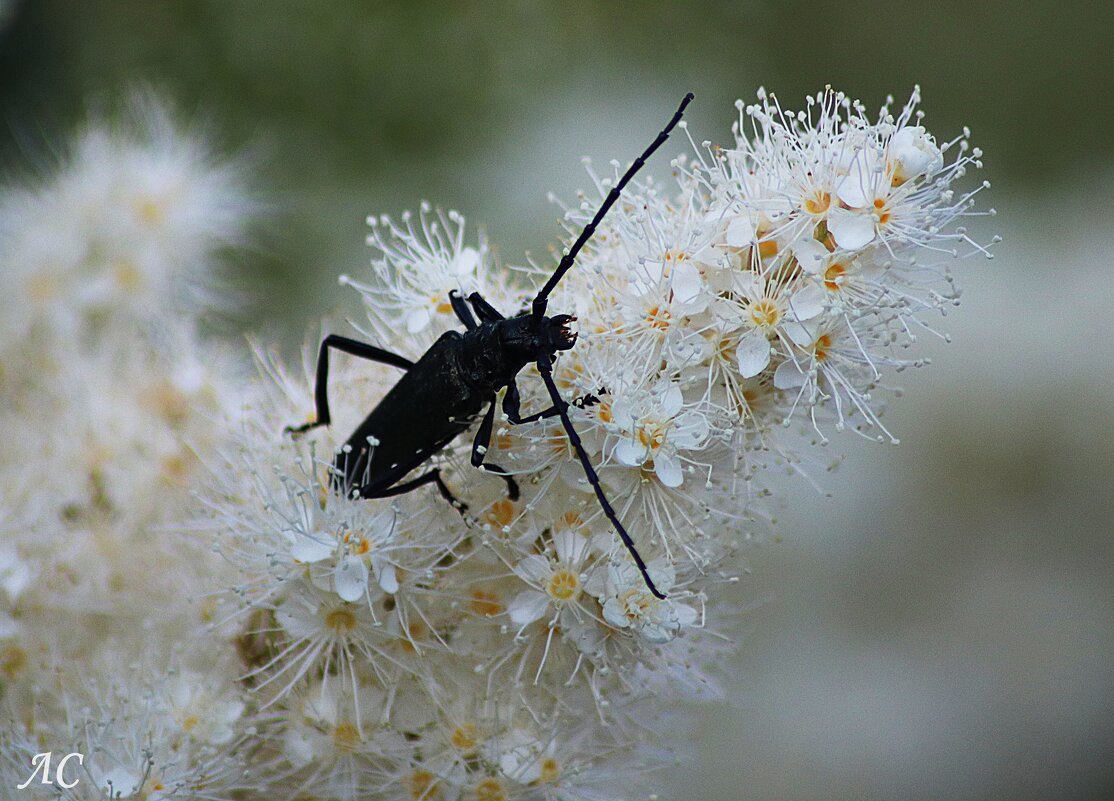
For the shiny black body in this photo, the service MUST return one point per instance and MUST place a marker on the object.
(436, 398)
(442, 394)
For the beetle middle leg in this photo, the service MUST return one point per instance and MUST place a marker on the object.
(352, 347)
(480, 447)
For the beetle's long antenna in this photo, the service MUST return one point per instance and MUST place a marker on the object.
(546, 369)
(542, 298)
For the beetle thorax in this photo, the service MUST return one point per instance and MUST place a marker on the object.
(493, 353)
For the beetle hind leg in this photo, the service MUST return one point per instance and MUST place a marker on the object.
(369, 491)
(352, 347)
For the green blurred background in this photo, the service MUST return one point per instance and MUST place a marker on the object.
(943, 628)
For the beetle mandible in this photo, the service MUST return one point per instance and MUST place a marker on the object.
(441, 394)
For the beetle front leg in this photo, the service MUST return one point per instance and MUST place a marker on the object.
(460, 308)
(480, 447)
(484, 310)
(321, 385)
(546, 370)
(512, 406)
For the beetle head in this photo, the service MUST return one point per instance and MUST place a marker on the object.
(556, 334)
(525, 337)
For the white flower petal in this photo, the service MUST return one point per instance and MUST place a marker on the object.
(914, 153)
(686, 615)
(15, 574)
(856, 189)
(689, 430)
(466, 262)
(851, 230)
(622, 414)
(686, 283)
(570, 547)
(662, 573)
(521, 765)
(658, 632)
(596, 582)
(534, 569)
(299, 623)
(297, 746)
(671, 401)
(788, 375)
(807, 302)
(311, 548)
(752, 353)
(385, 574)
(615, 613)
(668, 469)
(630, 452)
(748, 284)
(528, 606)
(803, 333)
(350, 578)
(740, 231)
(811, 255)
(119, 782)
(418, 320)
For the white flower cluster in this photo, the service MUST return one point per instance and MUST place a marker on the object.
(410, 650)
(127, 229)
(109, 399)
(403, 647)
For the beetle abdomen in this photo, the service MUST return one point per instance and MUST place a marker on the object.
(429, 406)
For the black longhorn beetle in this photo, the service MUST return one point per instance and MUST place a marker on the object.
(441, 394)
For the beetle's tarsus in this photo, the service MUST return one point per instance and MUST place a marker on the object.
(297, 431)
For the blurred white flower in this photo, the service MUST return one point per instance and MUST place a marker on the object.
(15, 573)
(128, 228)
(627, 603)
(199, 711)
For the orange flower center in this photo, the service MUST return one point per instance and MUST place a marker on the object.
(490, 790)
(564, 585)
(765, 313)
(651, 437)
(486, 603)
(551, 770)
(879, 208)
(658, 318)
(357, 543)
(340, 621)
(822, 347)
(833, 277)
(423, 785)
(346, 737)
(501, 513)
(818, 202)
(416, 630)
(465, 737)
